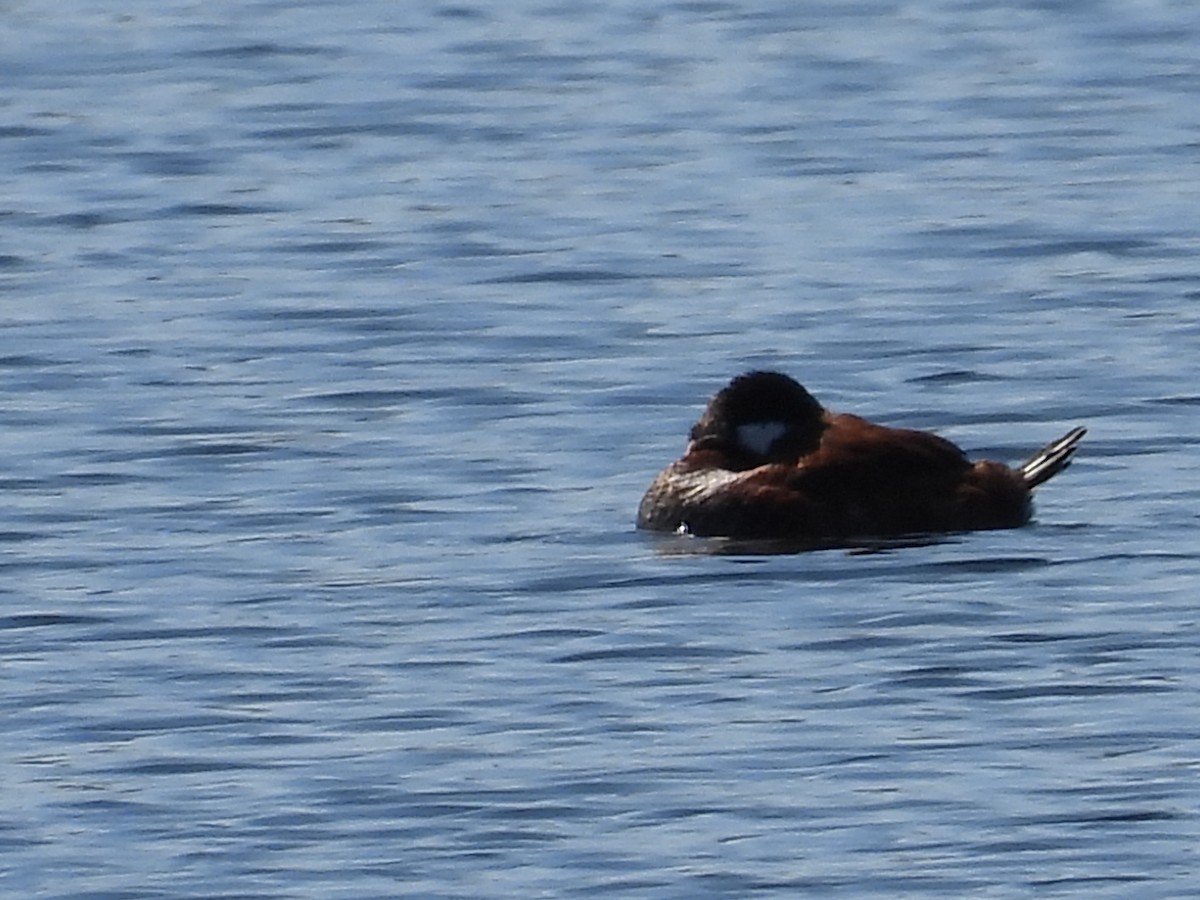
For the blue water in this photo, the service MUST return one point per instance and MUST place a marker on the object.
(338, 341)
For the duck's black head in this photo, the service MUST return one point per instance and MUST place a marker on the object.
(760, 417)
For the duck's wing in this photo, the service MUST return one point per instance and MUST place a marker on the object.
(855, 454)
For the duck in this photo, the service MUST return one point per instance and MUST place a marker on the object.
(767, 460)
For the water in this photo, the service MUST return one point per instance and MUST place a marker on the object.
(340, 340)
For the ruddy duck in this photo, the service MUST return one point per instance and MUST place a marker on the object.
(766, 460)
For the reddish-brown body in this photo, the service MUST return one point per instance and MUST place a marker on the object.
(831, 476)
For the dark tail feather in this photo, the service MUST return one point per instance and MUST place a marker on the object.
(1051, 459)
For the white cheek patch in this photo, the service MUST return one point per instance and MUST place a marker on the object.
(757, 437)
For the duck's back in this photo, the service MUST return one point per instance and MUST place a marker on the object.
(870, 479)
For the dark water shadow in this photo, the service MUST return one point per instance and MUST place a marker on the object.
(680, 545)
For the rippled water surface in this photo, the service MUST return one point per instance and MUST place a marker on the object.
(339, 341)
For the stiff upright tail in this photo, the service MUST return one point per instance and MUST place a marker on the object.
(1051, 459)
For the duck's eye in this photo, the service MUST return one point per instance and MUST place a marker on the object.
(758, 437)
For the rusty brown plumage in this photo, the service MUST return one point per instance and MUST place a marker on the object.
(765, 460)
